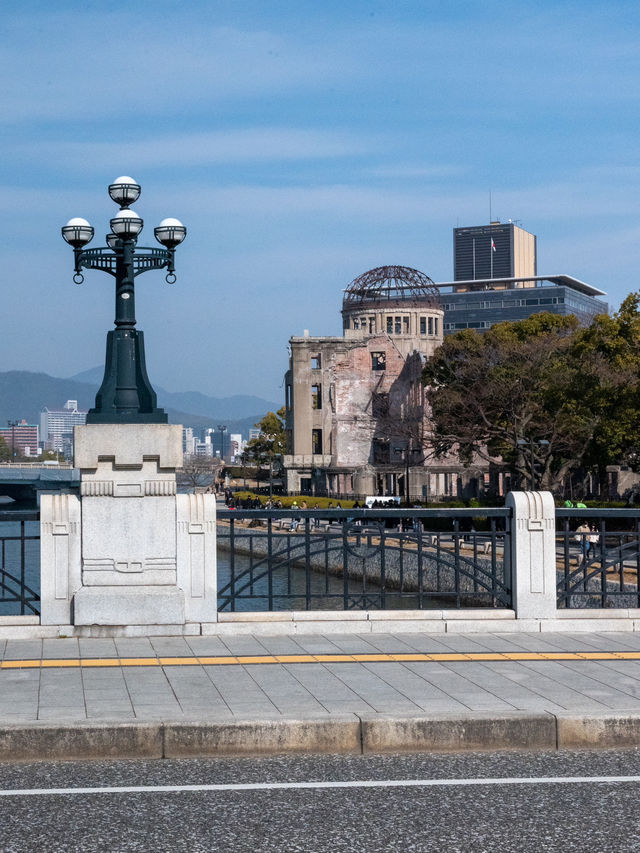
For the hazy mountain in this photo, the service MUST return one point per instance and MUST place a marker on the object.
(24, 395)
(236, 406)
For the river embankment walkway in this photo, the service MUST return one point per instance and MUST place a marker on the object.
(163, 697)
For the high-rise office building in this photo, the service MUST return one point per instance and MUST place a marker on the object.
(495, 279)
(56, 426)
(497, 250)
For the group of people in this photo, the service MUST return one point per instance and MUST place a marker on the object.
(588, 537)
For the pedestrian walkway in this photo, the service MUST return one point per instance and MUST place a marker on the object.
(214, 677)
(230, 679)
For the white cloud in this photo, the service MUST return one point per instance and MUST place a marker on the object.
(249, 145)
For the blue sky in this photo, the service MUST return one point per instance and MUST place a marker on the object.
(302, 143)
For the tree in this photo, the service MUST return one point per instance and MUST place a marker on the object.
(198, 472)
(270, 444)
(541, 379)
(5, 451)
(615, 340)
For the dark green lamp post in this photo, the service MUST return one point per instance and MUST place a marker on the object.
(126, 395)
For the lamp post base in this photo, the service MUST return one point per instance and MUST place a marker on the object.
(126, 395)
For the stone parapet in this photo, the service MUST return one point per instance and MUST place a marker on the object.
(130, 552)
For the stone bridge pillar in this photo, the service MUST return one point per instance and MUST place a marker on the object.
(147, 555)
(533, 554)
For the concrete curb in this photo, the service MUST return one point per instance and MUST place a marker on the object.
(456, 733)
(614, 730)
(47, 741)
(339, 734)
(335, 734)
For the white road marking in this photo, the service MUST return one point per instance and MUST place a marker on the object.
(289, 786)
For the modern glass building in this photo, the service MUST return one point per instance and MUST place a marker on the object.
(490, 301)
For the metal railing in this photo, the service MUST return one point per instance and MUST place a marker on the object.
(598, 557)
(363, 559)
(17, 561)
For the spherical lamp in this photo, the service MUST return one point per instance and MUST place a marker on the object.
(125, 191)
(77, 232)
(127, 224)
(170, 233)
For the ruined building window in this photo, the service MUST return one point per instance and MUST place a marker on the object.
(389, 325)
(398, 325)
(316, 441)
(356, 323)
(372, 325)
(381, 454)
(380, 405)
(435, 325)
(316, 362)
(316, 396)
(405, 325)
(423, 325)
(289, 397)
(378, 361)
(430, 325)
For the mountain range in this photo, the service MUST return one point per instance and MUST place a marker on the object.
(24, 395)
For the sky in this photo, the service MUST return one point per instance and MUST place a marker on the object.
(302, 142)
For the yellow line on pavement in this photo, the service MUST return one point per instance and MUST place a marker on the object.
(382, 657)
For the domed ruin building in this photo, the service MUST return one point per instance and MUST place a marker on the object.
(356, 418)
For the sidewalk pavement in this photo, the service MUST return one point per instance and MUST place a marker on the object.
(170, 697)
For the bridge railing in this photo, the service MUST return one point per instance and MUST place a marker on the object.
(36, 465)
(598, 557)
(363, 559)
(19, 562)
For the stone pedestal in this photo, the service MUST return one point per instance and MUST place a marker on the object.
(147, 555)
(533, 554)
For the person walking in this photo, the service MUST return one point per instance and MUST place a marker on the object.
(581, 537)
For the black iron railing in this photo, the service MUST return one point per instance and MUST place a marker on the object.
(363, 559)
(598, 557)
(19, 561)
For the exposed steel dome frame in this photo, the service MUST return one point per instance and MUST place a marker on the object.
(391, 284)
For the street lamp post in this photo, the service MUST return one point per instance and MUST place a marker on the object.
(222, 429)
(126, 395)
(531, 443)
(13, 425)
(406, 454)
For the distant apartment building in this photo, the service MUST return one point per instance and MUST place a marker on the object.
(205, 447)
(21, 438)
(56, 426)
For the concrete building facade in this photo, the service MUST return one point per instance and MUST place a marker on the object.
(356, 418)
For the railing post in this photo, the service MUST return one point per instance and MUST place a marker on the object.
(533, 554)
(60, 568)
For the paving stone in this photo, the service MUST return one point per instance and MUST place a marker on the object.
(63, 648)
(95, 647)
(207, 646)
(23, 650)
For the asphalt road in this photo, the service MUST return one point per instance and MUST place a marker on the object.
(453, 803)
